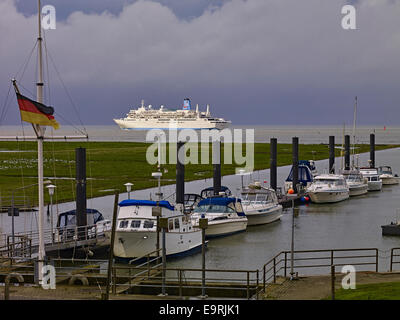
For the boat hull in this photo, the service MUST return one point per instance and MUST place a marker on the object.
(390, 180)
(140, 125)
(221, 228)
(328, 196)
(358, 190)
(140, 243)
(258, 216)
(374, 185)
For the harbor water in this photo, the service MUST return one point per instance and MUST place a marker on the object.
(353, 223)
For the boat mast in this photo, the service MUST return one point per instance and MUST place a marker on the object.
(354, 131)
(39, 130)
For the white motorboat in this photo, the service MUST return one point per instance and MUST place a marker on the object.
(387, 176)
(358, 185)
(374, 181)
(328, 188)
(225, 216)
(136, 230)
(260, 204)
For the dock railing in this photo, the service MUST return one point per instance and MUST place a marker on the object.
(394, 253)
(323, 260)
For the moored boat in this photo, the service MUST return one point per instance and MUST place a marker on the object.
(358, 185)
(260, 204)
(374, 181)
(225, 216)
(136, 230)
(387, 176)
(328, 188)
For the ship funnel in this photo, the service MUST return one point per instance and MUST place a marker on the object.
(186, 104)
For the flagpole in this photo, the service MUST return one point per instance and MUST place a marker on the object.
(40, 133)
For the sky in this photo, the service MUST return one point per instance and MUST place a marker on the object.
(255, 62)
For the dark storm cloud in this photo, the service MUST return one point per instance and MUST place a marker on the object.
(254, 61)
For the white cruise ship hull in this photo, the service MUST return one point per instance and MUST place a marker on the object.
(358, 190)
(219, 228)
(134, 244)
(328, 196)
(258, 215)
(196, 124)
(389, 180)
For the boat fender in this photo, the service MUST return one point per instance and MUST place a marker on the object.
(84, 281)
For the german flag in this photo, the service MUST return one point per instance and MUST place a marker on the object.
(35, 112)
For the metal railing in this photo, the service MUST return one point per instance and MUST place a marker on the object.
(393, 256)
(281, 264)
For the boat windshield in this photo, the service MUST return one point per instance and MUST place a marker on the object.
(258, 197)
(385, 170)
(353, 178)
(329, 181)
(212, 208)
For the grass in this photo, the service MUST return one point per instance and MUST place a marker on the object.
(375, 291)
(111, 164)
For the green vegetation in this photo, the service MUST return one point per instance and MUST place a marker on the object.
(375, 291)
(111, 164)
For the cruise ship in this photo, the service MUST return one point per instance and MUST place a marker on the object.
(149, 118)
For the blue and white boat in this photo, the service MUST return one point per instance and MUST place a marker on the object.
(136, 230)
(306, 176)
(225, 216)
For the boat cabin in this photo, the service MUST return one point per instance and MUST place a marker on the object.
(220, 205)
(305, 175)
(68, 219)
(209, 192)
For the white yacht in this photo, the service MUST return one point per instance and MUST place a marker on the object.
(358, 185)
(136, 230)
(328, 188)
(149, 118)
(374, 181)
(387, 176)
(260, 204)
(225, 216)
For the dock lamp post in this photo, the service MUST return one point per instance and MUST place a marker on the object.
(203, 224)
(51, 189)
(163, 226)
(128, 186)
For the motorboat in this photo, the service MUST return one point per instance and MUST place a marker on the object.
(225, 216)
(305, 176)
(374, 181)
(387, 176)
(358, 185)
(66, 229)
(260, 204)
(328, 188)
(136, 230)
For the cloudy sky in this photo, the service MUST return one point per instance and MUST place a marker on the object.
(272, 62)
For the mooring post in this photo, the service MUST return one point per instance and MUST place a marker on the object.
(332, 154)
(295, 163)
(164, 226)
(333, 282)
(216, 160)
(372, 150)
(111, 254)
(347, 152)
(273, 163)
(180, 175)
(203, 223)
(81, 216)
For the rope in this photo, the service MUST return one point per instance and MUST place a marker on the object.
(67, 92)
